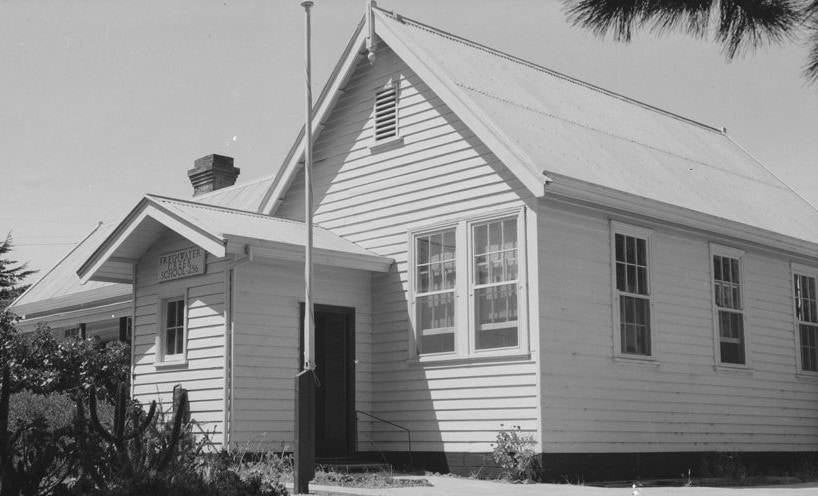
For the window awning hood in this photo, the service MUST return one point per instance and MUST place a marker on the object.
(220, 232)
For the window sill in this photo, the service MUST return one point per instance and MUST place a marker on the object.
(643, 361)
(806, 376)
(171, 364)
(733, 369)
(443, 360)
(385, 145)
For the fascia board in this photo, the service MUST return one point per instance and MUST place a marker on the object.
(87, 301)
(326, 101)
(122, 308)
(147, 208)
(275, 250)
(583, 193)
(211, 242)
(467, 111)
(109, 245)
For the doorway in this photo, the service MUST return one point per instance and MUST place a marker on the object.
(335, 396)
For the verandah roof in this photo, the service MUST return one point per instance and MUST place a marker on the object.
(219, 231)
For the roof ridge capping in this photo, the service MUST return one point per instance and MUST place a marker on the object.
(412, 22)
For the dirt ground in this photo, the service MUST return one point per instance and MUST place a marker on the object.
(452, 486)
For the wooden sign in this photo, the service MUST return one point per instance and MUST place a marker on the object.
(186, 262)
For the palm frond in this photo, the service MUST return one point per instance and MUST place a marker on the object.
(735, 24)
(810, 17)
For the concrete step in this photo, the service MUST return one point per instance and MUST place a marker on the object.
(351, 465)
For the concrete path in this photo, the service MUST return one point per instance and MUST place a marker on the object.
(453, 486)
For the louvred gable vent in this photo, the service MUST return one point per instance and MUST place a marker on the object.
(386, 113)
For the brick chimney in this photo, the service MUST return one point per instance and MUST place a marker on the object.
(212, 172)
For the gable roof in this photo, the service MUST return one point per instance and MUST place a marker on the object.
(60, 288)
(219, 231)
(244, 196)
(581, 141)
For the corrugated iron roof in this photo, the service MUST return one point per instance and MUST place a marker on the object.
(246, 196)
(566, 128)
(226, 222)
(220, 231)
(61, 283)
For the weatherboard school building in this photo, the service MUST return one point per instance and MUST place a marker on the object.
(496, 244)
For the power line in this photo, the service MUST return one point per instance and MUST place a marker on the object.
(43, 244)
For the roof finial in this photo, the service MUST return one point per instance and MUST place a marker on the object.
(370, 25)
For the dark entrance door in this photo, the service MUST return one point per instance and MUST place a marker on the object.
(335, 400)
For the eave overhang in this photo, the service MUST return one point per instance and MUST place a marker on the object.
(220, 232)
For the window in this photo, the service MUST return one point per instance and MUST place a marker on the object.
(386, 113)
(728, 302)
(75, 332)
(125, 329)
(435, 277)
(466, 280)
(806, 317)
(174, 331)
(494, 285)
(631, 265)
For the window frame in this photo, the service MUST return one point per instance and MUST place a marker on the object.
(797, 269)
(734, 253)
(454, 290)
(162, 357)
(393, 84)
(522, 271)
(617, 227)
(465, 320)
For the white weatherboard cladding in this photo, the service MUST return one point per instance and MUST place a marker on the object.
(591, 403)
(266, 327)
(203, 376)
(440, 171)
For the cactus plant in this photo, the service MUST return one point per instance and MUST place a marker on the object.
(135, 450)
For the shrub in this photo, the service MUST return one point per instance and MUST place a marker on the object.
(37, 452)
(56, 409)
(40, 364)
(514, 453)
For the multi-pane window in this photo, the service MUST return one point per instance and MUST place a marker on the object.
(806, 315)
(174, 335)
(495, 264)
(633, 291)
(729, 309)
(466, 280)
(435, 280)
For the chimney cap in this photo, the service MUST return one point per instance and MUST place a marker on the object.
(212, 172)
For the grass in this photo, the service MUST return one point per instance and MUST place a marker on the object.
(365, 480)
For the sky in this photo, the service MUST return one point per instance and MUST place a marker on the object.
(103, 101)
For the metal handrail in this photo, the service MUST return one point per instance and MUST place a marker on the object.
(408, 432)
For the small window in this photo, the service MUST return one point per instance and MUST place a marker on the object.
(174, 331)
(74, 332)
(386, 113)
(806, 315)
(632, 284)
(494, 286)
(728, 304)
(125, 329)
(435, 277)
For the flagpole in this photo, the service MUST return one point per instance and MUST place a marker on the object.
(309, 326)
(304, 381)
